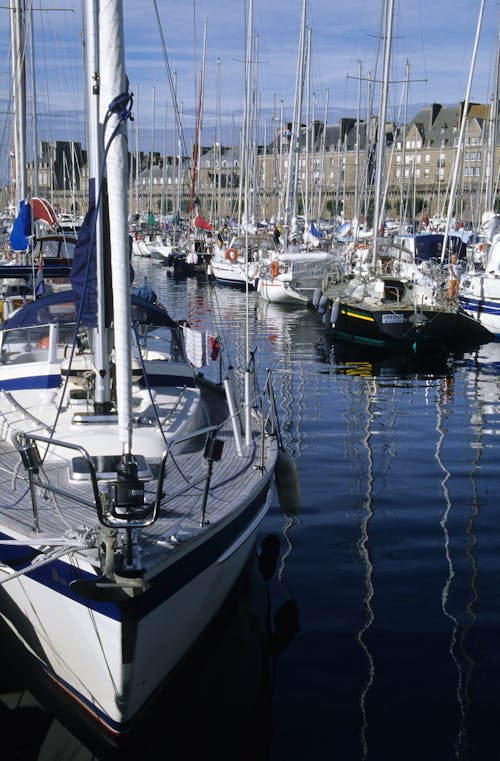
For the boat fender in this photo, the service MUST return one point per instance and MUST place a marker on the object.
(275, 269)
(322, 303)
(315, 298)
(214, 347)
(287, 483)
(334, 314)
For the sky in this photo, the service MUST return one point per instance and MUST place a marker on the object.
(433, 40)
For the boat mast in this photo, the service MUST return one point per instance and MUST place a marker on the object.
(489, 200)
(199, 119)
(114, 83)
(291, 184)
(463, 124)
(18, 35)
(377, 211)
(94, 136)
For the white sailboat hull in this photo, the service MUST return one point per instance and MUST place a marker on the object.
(278, 292)
(479, 295)
(112, 657)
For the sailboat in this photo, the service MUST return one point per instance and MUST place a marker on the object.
(38, 253)
(133, 488)
(479, 291)
(406, 312)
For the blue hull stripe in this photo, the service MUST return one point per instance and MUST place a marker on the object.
(31, 381)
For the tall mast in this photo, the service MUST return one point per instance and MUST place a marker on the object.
(377, 211)
(491, 177)
(291, 185)
(18, 32)
(94, 137)
(463, 124)
(114, 83)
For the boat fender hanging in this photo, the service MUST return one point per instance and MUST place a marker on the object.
(214, 347)
(275, 269)
(334, 314)
(315, 298)
(287, 483)
(322, 303)
(231, 254)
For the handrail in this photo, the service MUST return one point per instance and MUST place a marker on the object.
(33, 462)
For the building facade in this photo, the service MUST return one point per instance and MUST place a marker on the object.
(329, 173)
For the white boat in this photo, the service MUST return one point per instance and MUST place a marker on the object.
(132, 488)
(238, 264)
(479, 291)
(293, 277)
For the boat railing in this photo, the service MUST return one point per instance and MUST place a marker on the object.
(114, 510)
(111, 489)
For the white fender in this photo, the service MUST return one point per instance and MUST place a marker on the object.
(323, 303)
(334, 314)
(287, 483)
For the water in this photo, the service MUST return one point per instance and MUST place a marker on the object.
(374, 633)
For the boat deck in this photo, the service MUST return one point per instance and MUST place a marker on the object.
(67, 505)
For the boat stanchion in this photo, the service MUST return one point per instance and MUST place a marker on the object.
(235, 419)
(32, 461)
(212, 453)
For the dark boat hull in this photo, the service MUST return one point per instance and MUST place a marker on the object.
(403, 328)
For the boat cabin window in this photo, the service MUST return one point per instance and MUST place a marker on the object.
(31, 343)
(159, 342)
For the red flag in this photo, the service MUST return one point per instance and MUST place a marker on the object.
(202, 223)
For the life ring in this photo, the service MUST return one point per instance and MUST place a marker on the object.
(232, 254)
(275, 269)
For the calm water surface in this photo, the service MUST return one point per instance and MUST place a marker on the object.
(371, 628)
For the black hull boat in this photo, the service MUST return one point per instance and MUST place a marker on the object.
(394, 320)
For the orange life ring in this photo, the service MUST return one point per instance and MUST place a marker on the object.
(275, 269)
(231, 254)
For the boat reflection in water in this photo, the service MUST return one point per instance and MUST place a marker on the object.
(218, 705)
(418, 643)
(350, 358)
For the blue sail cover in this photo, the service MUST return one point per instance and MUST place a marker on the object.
(21, 228)
(83, 271)
(314, 231)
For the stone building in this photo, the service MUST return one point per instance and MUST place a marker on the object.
(332, 175)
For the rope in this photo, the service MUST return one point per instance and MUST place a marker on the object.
(86, 538)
